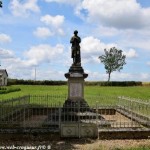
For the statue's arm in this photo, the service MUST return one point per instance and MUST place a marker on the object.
(79, 40)
(72, 40)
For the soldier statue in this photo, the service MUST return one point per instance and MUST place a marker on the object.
(75, 54)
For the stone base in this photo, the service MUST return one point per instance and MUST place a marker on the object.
(68, 115)
(77, 105)
(78, 130)
(78, 69)
(85, 117)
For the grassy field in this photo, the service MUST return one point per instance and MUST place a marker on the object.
(141, 92)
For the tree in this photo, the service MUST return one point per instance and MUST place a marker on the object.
(0, 3)
(113, 59)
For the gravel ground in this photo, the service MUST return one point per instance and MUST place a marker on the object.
(73, 144)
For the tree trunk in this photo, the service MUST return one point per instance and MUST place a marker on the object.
(109, 77)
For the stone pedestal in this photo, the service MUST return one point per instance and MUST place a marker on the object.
(75, 99)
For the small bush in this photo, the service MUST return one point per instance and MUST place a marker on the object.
(3, 88)
(9, 90)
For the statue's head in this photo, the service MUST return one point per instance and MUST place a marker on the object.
(75, 32)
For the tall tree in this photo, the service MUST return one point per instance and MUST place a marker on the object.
(0, 3)
(113, 60)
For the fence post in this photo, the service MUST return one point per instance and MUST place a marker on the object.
(59, 115)
(24, 111)
(97, 113)
(131, 109)
(12, 112)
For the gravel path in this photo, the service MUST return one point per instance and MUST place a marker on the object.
(74, 144)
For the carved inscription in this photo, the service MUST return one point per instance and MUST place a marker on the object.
(75, 89)
(76, 75)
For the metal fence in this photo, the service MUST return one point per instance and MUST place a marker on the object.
(48, 112)
(13, 109)
(135, 109)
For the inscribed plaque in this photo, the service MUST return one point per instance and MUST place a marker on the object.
(75, 89)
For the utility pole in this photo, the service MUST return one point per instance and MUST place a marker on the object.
(35, 74)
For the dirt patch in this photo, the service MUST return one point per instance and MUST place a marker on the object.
(34, 121)
(119, 120)
(56, 143)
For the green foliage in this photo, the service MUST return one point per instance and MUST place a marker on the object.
(113, 60)
(114, 83)
(4, 90)
(92, 83)
(32, 82)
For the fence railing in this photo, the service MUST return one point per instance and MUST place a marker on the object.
(136, 110)
(48, 112)
(140, 107)
(12, 108)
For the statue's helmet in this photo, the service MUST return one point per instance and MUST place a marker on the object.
(75, 32)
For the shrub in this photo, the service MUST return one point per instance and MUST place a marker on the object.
(32, 82)
(2, 88)
(114, 83)
(9, 90)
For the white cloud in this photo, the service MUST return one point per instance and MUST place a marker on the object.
(117, 76)
(43, 53)
(4, 38)
(50, 74)
(145, 76)
(74, 2)
(24, 8)
(140, 43)
(115, 13)
(36, 56)
(131, 53)
(92, 47)
(55, 21)
(43, 32)
(60, 31)
(148, 63)
(120, 76)
(106, 31)
(6, 54)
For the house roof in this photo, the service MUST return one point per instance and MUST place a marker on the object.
(2, 71)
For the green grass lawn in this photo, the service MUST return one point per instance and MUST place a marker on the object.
(141, 92)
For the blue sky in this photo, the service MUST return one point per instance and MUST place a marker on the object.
(36, 34)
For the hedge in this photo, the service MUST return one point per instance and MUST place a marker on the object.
(32, 82)
(92, 83)
(114, 83)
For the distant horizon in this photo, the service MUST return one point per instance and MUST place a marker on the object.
(35, 37)
(85, 80)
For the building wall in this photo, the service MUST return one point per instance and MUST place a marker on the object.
(3, 79)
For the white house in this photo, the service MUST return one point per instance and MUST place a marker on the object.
(3, 77)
